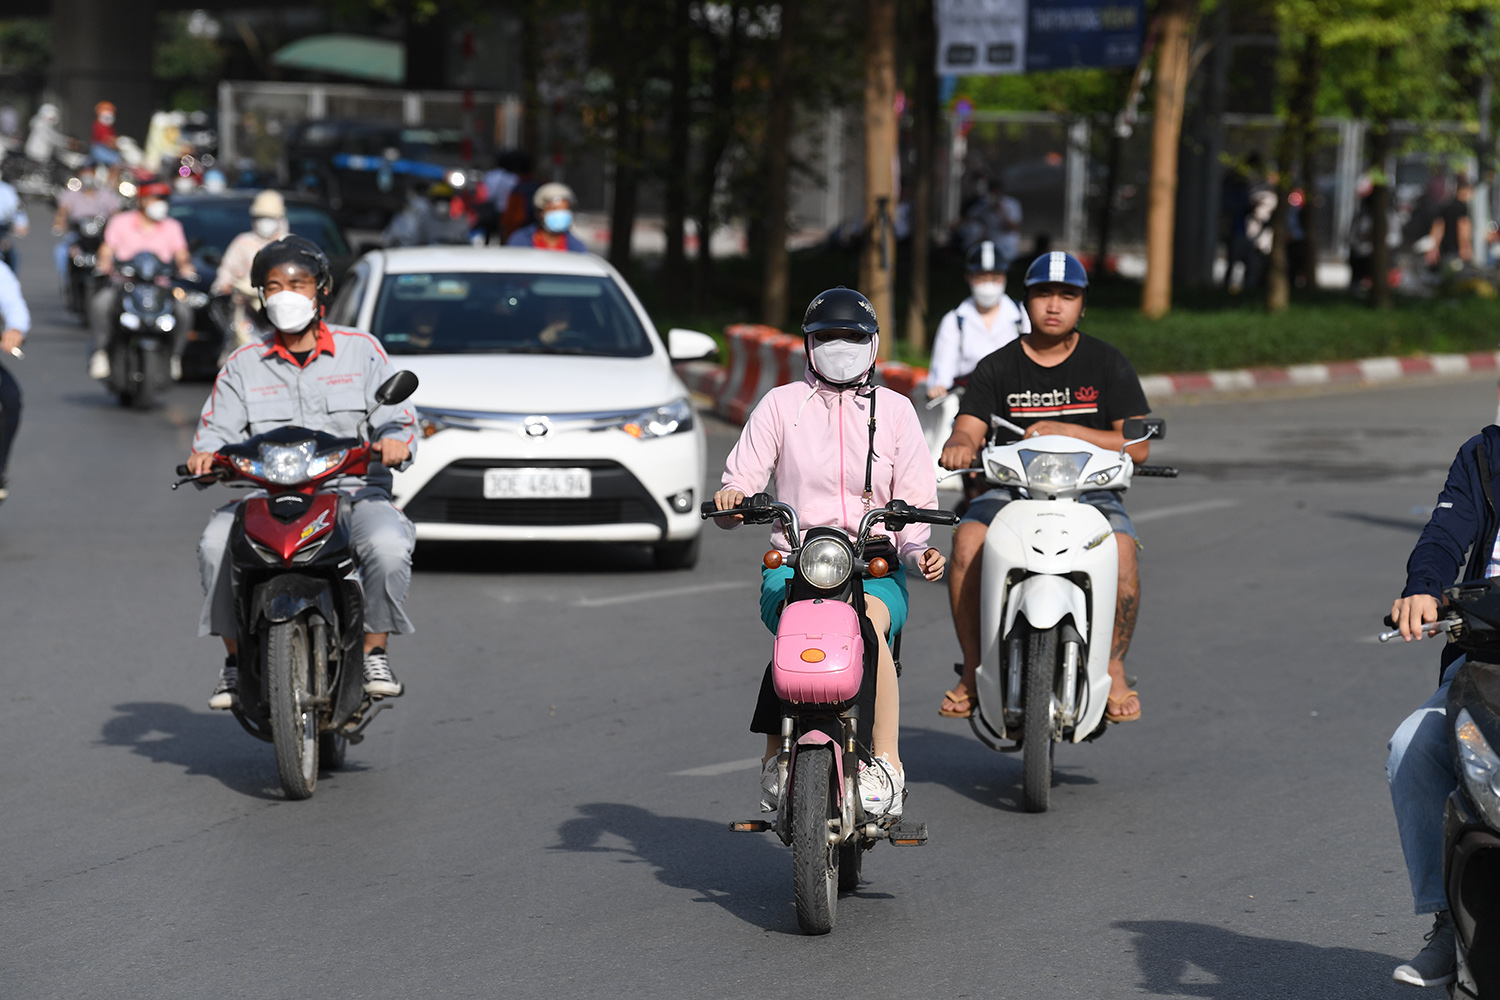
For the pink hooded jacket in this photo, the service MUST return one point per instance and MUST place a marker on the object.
(815, 439)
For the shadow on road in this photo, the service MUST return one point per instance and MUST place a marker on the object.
(1174, 955)
(198, 742)
(515, 558)
(1410, 526)
(959, 761)
(749, 875)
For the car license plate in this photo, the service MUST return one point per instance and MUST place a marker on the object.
(537, 484)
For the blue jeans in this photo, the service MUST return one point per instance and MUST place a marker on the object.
(1420, 771)
(61, 252)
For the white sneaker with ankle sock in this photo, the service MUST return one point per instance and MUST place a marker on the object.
(882, 787)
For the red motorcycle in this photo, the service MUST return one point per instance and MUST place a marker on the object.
(299, 604)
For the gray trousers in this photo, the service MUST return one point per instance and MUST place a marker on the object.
(382, 537)
(104, 310)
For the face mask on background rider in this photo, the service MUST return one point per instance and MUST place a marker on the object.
(987, 292)
(107, 118)
(557, 220)
(155, 209)
(841, 359)
(265, 226)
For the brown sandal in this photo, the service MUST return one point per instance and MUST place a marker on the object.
(1121, 717)
(966, 699)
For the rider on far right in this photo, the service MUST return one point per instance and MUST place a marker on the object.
(1056, 379)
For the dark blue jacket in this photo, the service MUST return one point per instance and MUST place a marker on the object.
(522, 238)
(1464, 522)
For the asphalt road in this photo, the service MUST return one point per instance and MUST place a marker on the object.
(544, 813)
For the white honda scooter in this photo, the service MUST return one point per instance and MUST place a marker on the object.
(1047, 598)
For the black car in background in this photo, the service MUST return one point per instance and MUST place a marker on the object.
(210, 222)
(363, 170)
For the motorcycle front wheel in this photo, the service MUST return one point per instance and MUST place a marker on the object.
(153, 369)
(1036, 743)
(294, 720)
(815, 862)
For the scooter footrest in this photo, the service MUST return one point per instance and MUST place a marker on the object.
(907, 834)
(752, 826)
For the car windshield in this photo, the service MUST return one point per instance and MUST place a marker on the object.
(210, 225)
(488, 313)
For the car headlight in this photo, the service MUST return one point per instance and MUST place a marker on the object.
(1100, 478)
(1480, 766)
(1054, 470)
(130, 321)
(674, 418)
(286, 464)
(826, 562)
(166, 322)
(1002, 473)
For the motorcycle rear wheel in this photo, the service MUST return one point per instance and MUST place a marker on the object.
(294, 722)
(815, 862)
(1036, 748)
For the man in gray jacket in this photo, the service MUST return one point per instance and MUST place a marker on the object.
(309, 374)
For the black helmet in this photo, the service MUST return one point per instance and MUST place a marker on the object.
(840, 309)
(292, 250)
(985, 258)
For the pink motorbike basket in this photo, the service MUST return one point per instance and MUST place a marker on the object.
(819, 658)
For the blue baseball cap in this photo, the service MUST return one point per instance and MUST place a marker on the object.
(1058, 268)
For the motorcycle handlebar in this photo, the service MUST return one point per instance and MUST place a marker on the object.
(1164, 471)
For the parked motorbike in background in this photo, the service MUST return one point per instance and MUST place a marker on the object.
(822, 670)
(1049, 578)
(297, 594)
(83, 258)
(144, 331)
(1471, 820)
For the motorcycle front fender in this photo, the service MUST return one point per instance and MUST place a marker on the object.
(1045, 601)
(814, 737)
(285, 596)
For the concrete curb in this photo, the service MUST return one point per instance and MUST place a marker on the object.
(1369, 370)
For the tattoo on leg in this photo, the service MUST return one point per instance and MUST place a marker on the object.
(1125, 612)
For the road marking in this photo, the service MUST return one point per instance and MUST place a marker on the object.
(651, 595)
(710, 770)
(1186, 508)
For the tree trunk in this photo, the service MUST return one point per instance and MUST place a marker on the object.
(720, 129)
(1380, 204)
(877, 264)
(1278, 290)
(531, 100)
(627, 174)
(675, 176)
(1166, 130)
(778, 165)
(924, 122)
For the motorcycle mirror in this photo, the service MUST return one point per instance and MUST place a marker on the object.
(1141, 428)
(396, 389)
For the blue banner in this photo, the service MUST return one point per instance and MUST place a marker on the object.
(1063, 34)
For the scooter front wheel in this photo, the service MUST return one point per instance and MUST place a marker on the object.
(815, 862)
(1036, 749)
(294, 720)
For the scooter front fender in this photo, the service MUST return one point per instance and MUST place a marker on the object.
(286, 595)
(813, 738)
(1045, 601)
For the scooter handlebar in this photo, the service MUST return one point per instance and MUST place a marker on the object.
(1164, 471)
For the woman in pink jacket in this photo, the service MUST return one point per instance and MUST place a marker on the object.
(825, 439)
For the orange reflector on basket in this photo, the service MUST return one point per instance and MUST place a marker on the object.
(813, 655)
(879, 567)
(772, 559)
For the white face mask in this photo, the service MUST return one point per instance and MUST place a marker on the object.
(156, 210)
(265, 227)
(290, 312)
(987, 293)
(843, 361)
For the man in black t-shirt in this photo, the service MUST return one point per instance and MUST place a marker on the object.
(1054, 380)
(1451, 233)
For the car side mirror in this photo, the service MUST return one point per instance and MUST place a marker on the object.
(690, 345)
(396, 389)
(1142, 428)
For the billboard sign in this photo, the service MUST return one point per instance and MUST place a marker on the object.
(989, 37)
(981, 37)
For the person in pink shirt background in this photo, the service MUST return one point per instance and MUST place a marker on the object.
(815, 438)
(147, 228)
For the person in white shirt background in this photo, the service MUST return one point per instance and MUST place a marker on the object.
(982, 323)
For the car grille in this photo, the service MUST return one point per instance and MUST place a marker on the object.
(456, 496)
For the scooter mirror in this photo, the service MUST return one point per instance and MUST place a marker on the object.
(396, 389)
(1140, 428)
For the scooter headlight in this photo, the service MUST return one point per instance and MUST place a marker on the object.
(1054, 470)
(826, 562)
(130, 321)
(1100, 478)
(166, 322)
(322, 464)
(286, 464)
(1480, 766)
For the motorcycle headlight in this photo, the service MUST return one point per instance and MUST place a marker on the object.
(1054, 470)
(321, 464)
(1002, 473)
(1100, 478)
(166, 322)
(286, 464)
(130, 321)
(674, 418)
(826, 562)
(1480, 766)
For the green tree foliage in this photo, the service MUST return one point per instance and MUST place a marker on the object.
(25, 45)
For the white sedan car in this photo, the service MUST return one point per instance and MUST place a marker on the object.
(548, 406)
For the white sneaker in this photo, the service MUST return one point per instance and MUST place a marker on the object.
(99, 365)
(770, 786)
(882, 788)
(174, 368)
(379, 681)
(227, 689)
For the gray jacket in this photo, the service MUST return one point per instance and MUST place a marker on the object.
(261, 387)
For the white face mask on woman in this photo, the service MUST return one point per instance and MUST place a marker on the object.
(265, 226)
(290, 312)
(156, 210)
(843, 361)
(987, 293)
